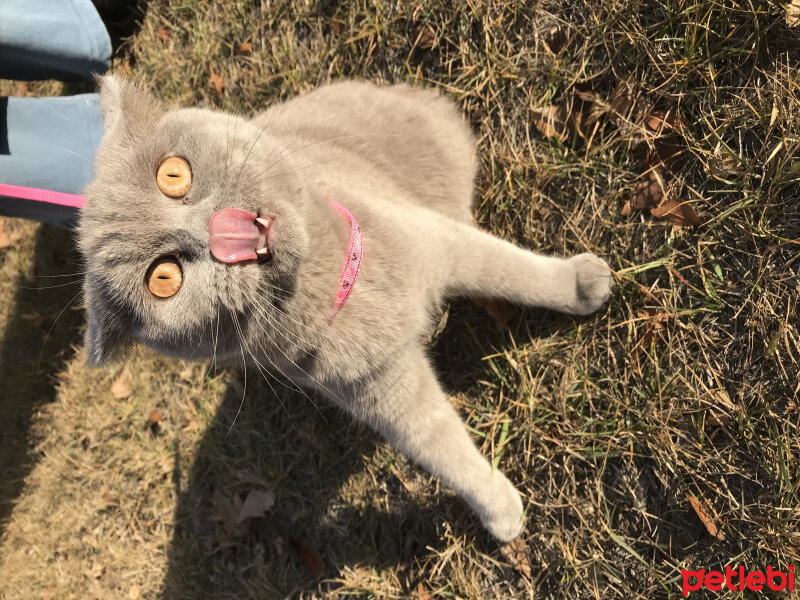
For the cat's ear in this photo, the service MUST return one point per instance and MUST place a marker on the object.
(107, 339)
(127, 108)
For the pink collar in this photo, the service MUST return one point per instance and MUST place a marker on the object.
(350, 269)
(352, 263)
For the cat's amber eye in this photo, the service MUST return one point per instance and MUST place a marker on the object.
(164, 277)
(174, 176)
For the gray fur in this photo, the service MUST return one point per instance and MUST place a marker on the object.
(401, 159)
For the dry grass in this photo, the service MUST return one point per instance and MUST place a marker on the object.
(686, 384)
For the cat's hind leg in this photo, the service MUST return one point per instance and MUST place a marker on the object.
(409, 408)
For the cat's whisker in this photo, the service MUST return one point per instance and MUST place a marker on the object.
(272, 322)
(252, 146)
(259, 366)
(277, 368)
(49, 287)
(49, 331)
(244, 371)
(80, 273)
(215, 337)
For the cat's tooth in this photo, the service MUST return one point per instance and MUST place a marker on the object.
(262, 251)
(265, 222)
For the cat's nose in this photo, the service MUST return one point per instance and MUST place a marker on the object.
(164, 277)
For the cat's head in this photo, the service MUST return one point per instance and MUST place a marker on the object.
(140, 214)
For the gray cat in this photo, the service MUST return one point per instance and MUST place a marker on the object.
(210, 236)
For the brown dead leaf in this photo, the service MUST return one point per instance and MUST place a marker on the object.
(622, 103)
(792, 13)
(308, 556)
(153, 421)
(662, 120)
(227, 511)
(722, 164)
(550, 121)
(565, 120)
(122, 387)
(216, 80)
(422, 593)
(497, 308)
(8, 236)
(555, 39)
(647, 194)
(704, 510)
(516, 552)
(245, 49)
(256, 504)
(163, 33)
(678, 213)
(426, 37)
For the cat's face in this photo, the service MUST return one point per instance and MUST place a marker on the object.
(130, 223)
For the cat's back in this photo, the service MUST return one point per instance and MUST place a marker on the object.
(360, 134)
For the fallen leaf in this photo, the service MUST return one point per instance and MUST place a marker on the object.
(517, 554)
(497, 308)
(792, 13)
(555, 40)
(722, 164)
(666, 151)
(703, 510)
(216, 80)
(336, 26)
(661, 120)
(622, 103)
(122, 387)
(676, 212)
(422, 593)
(163, 33)
(110, 500)
(245, 49)
(8, 236)
(152, 421)
(227, 511)
(308, 556)
(426, 37)
(646, 195)
(440, 326)
(551, 121)
(256, 504)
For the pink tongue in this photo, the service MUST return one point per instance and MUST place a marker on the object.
(234, 235)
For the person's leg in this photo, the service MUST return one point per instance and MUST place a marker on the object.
(48, 143)
(52, 39)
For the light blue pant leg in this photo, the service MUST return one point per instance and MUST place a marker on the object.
(52, 39)
(51, 143)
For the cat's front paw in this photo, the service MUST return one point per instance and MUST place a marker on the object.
(592, 283)
(504, 517)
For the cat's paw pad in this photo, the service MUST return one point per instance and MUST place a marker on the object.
(593, 281)
(504, 519)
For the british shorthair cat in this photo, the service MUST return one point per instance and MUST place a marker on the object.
(314, 240)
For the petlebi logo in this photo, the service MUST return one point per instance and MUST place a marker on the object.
(738, 579)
